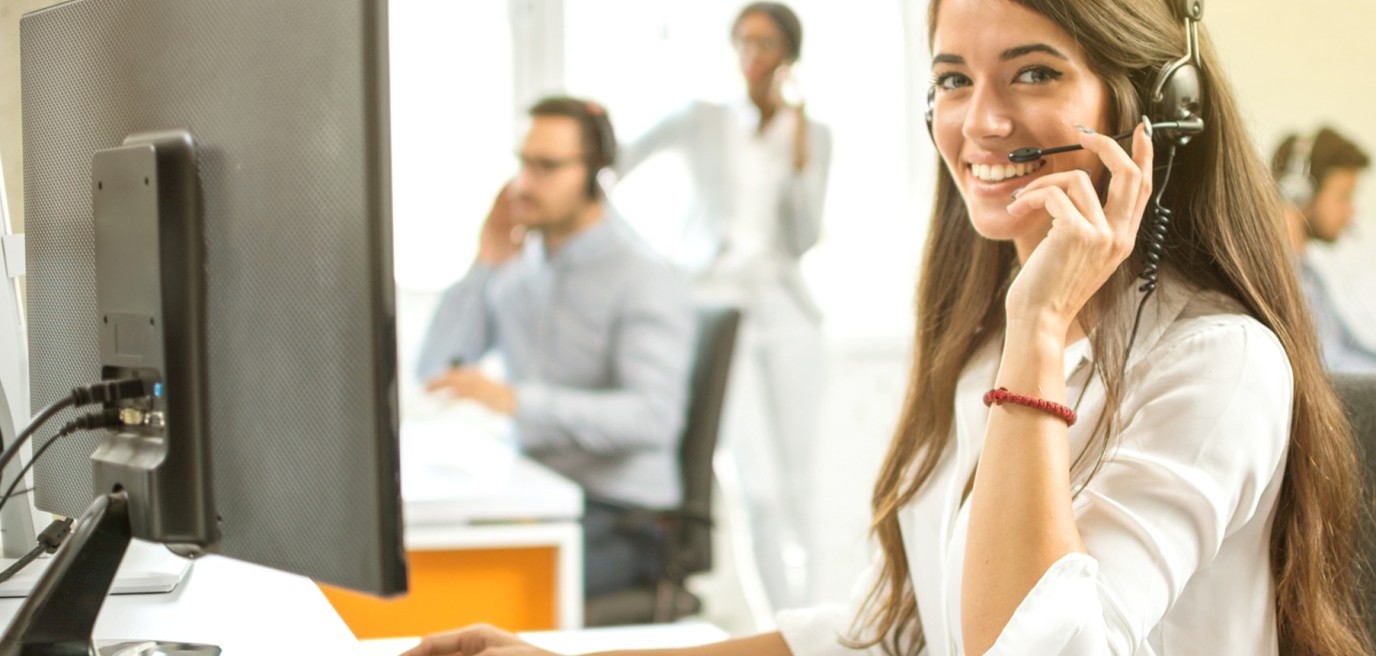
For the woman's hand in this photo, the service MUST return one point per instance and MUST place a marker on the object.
(787, 93)
(476, 640)
(1087, 241)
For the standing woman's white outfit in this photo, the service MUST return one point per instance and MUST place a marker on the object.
(756, 215)
(1177, 523)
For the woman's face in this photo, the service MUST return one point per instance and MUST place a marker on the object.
(762, 48)
(1007, 77)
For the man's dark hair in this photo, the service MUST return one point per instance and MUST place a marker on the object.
(596, 137)
(1328, 151)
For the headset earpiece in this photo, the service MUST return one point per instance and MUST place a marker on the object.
(931, 111)
(1297, 184)
(605, 138)
(1177, 93)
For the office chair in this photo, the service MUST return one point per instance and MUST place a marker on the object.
(688, 529)
(1358, 394)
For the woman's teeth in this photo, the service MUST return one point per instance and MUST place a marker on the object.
(1001, 172)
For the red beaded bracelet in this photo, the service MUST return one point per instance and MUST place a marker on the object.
(1002, 395)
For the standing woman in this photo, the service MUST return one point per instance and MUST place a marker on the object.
(759, 173)
(1089, 464)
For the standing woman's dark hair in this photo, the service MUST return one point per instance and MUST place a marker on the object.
(783, 18)
(1225, 236)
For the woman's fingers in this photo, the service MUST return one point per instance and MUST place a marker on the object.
(1144, 154)
(1129, 190)
(468, 641)
(1076, 185)
(1129, 181)
(1057, 202)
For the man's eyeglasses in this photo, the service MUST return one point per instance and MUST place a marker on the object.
(543, 167)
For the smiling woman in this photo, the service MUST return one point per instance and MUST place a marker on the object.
(1101, 538)
(1081, 468)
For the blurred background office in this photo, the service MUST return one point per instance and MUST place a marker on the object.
(463, 73)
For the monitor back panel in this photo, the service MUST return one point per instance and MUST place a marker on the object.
(287, 102)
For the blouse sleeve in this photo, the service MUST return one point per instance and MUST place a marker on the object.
(461, 329)
(825, 630)
(805, 193)
(671, 132)
(1206, 429)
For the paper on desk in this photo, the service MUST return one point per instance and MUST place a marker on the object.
(466, 451)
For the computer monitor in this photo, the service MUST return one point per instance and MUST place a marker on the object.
(207, 203)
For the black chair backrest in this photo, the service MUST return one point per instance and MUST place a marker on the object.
(716, 347)
(1358, 393)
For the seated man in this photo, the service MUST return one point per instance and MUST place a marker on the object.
(596, 333)
(1318, 177)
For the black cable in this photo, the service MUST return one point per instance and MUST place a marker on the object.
(103, 419)
(1156, 245)
(51, 538)
(29, 465)
(44, 416)
(20, 564)
(37, 551)
(107, 391)
(103, 392)
(48, 541)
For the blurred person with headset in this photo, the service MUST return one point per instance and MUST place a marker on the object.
(1119, 436)
(759, 171)
(1318, 178)
(596, 333)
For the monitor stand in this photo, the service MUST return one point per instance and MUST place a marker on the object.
(59, 616)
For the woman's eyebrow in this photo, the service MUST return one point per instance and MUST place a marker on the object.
(1009, 54)
(1020, 51)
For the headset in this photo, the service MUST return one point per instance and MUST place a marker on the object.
(1297, 184)
(596, 120)
(1177, 105)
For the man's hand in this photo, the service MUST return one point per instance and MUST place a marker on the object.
(477, 640)
(501, 238)
(469, 383)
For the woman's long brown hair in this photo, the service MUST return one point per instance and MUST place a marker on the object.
(1225, 235)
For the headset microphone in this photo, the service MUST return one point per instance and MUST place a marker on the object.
(1189, 126)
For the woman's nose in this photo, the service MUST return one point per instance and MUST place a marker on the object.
(987, 115)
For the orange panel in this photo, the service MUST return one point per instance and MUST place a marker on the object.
(511, 588)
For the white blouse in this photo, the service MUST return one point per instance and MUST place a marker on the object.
(1177, 523)
(754, 216)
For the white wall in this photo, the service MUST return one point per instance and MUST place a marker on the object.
(1297, 66)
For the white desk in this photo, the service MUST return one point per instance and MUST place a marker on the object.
(245, 609)
(662, 636)
(254, 611)
(465, 487)
(458, 470)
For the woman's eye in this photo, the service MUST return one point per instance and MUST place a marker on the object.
(948, 81)
(1037, 75)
